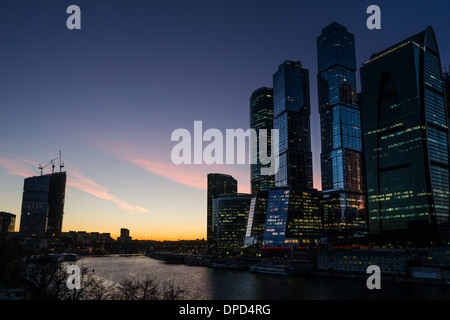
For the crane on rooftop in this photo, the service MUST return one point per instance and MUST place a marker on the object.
(61, 164)
(52, 162)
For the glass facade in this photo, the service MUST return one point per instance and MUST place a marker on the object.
(217, 184)
(340, 119)
(33, 220)
(256, 219)
(293, 218)
(231, 212)
(344, 216)
(447, 90)
(406, 142)
(339, 110)
(43, 205)
(261, 117)
(292, 118)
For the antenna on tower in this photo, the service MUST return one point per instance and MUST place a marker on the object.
(52, 162)
(61, 164)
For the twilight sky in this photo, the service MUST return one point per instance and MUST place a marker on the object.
(110, 95)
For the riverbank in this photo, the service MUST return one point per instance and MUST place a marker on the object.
(297, 268)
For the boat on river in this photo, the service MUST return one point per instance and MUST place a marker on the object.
(272, 269)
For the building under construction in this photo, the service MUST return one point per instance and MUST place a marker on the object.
(43, 204)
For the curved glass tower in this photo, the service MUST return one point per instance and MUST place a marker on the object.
(406, 142)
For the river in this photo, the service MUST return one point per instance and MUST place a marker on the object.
(205, 283)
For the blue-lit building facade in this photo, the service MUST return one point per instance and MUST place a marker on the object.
(340, 120)
(406, 141)
(292, 215)
(256, 219)
(292, 112)
(293, 218)
(261, 118)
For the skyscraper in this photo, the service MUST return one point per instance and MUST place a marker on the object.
(43, 205)
(292, 118)
(217, 184)
(293, 218)
(406, 142)
(447, 90)
(261, 117)
(342, 183)
(230, 216)
(256, 218)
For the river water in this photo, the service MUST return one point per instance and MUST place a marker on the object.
(205, 283)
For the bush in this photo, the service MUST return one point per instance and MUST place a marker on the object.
(49, 281)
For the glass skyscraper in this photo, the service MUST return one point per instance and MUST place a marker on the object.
(230, 216)
(43, 205)
(341, 162)
(217, 184)
(292, 118)
(256, 219)
(406, 141)
(293, 218)
(261, 117)
(447, 90)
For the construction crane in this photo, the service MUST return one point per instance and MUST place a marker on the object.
(61, 164)
(52, 162)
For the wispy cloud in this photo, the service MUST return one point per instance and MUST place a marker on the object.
(21, 167)
(189, 175)
(17, 167)
(78, 181)
(160, 164)
(170, 171)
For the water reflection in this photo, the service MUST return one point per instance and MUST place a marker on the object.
(220, 284)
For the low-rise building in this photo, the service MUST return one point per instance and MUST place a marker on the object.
(390, 262)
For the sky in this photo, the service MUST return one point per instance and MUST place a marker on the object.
(110, 95)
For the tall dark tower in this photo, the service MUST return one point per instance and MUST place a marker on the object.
(217, 184)
(406, 143)
(43, 205)
(261, 117)
(292, 118)
(342, 182)
(447, 90)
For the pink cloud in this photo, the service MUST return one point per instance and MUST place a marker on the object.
(87, 185)
(16, 167)
(194, 176)
(172, 172)
(190, 175)
(21, 167)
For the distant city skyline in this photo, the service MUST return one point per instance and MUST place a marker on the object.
(109, 95)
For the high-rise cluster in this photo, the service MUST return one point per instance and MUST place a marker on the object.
(384, 151)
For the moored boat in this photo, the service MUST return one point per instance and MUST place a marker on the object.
(272, 269)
